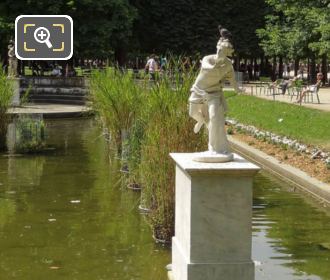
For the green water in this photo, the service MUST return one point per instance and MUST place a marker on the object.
(65, 215)
(291, 237)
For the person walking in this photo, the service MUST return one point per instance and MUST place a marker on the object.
(152, 67)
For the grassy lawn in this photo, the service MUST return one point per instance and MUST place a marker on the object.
(309, 126)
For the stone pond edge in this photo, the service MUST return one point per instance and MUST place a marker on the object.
(292, 175)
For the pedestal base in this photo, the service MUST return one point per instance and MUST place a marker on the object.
(213, 215)
(212, 157)
(183, 270)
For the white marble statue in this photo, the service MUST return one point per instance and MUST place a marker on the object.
(12, 60)
(207, 102)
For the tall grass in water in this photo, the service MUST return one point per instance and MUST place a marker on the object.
(117, 98)
(6, 93)
(29, 134)
(157, 121)
(169, 129)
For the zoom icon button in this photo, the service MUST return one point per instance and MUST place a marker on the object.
(39, 36)
(46, 37)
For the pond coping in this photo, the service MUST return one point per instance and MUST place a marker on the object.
(288, 173)
(52, 110)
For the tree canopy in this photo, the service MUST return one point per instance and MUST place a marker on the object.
(296, 28)
(190, 26)
(285, 28)
(99, 26)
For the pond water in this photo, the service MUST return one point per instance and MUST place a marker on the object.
(65, 215)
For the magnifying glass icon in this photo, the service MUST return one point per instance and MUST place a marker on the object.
(41, 35)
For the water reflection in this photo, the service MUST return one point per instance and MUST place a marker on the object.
(7, 211)
(69, 219)
(290, 237)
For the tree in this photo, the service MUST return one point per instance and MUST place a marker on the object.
(100, 27)
(112, 27)
(190, 26)
(303, 27)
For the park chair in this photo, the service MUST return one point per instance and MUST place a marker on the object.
(295, 88)
(291, 89)
(311, 93)
(277, 88)
(274, 88)
(264, 84)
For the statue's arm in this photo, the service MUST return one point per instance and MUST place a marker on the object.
(232, 80)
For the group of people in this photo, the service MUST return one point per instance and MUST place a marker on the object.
(160, 64)
(55, 70)
(155, 64)
(285, 84)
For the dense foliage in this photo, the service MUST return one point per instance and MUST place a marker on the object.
(153, 121)
(288, 29)
(6, 93)
(100, 27)
(297, 29)
(105, 27)
(191, 26)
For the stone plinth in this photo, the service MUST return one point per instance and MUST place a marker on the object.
(213, 216)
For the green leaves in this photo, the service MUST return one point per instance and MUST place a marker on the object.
(190, 26)
(297, 28)
(99, 26)
(6, 93)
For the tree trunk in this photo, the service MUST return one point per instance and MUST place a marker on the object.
(313, 69)
(308, 69)
(255, 69)
(120, 56)
(280, 68)
(237, 64)
(262, 66)
(325, 68)
(296, 66)
(273, 72)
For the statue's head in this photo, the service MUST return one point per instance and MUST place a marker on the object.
(225, 49)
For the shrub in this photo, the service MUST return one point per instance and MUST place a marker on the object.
(6, 93)
(169, 129)
(156, 119)
(30, 134)
(117, 98)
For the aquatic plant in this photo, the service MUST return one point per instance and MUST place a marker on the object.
(6, 93)
(29, 134)
(155, 116)
(116, 97)
(169, 129)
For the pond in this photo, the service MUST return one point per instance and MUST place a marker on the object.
(66, 215)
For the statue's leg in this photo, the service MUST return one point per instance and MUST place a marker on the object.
(217, 134)
(199, 113)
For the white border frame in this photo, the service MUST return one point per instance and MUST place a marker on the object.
(49, 58)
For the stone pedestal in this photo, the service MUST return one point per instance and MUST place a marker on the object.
(213, 216)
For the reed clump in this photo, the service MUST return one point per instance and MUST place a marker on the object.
(116, 98)
(30, 134)
(6, 93)
(158, 126)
